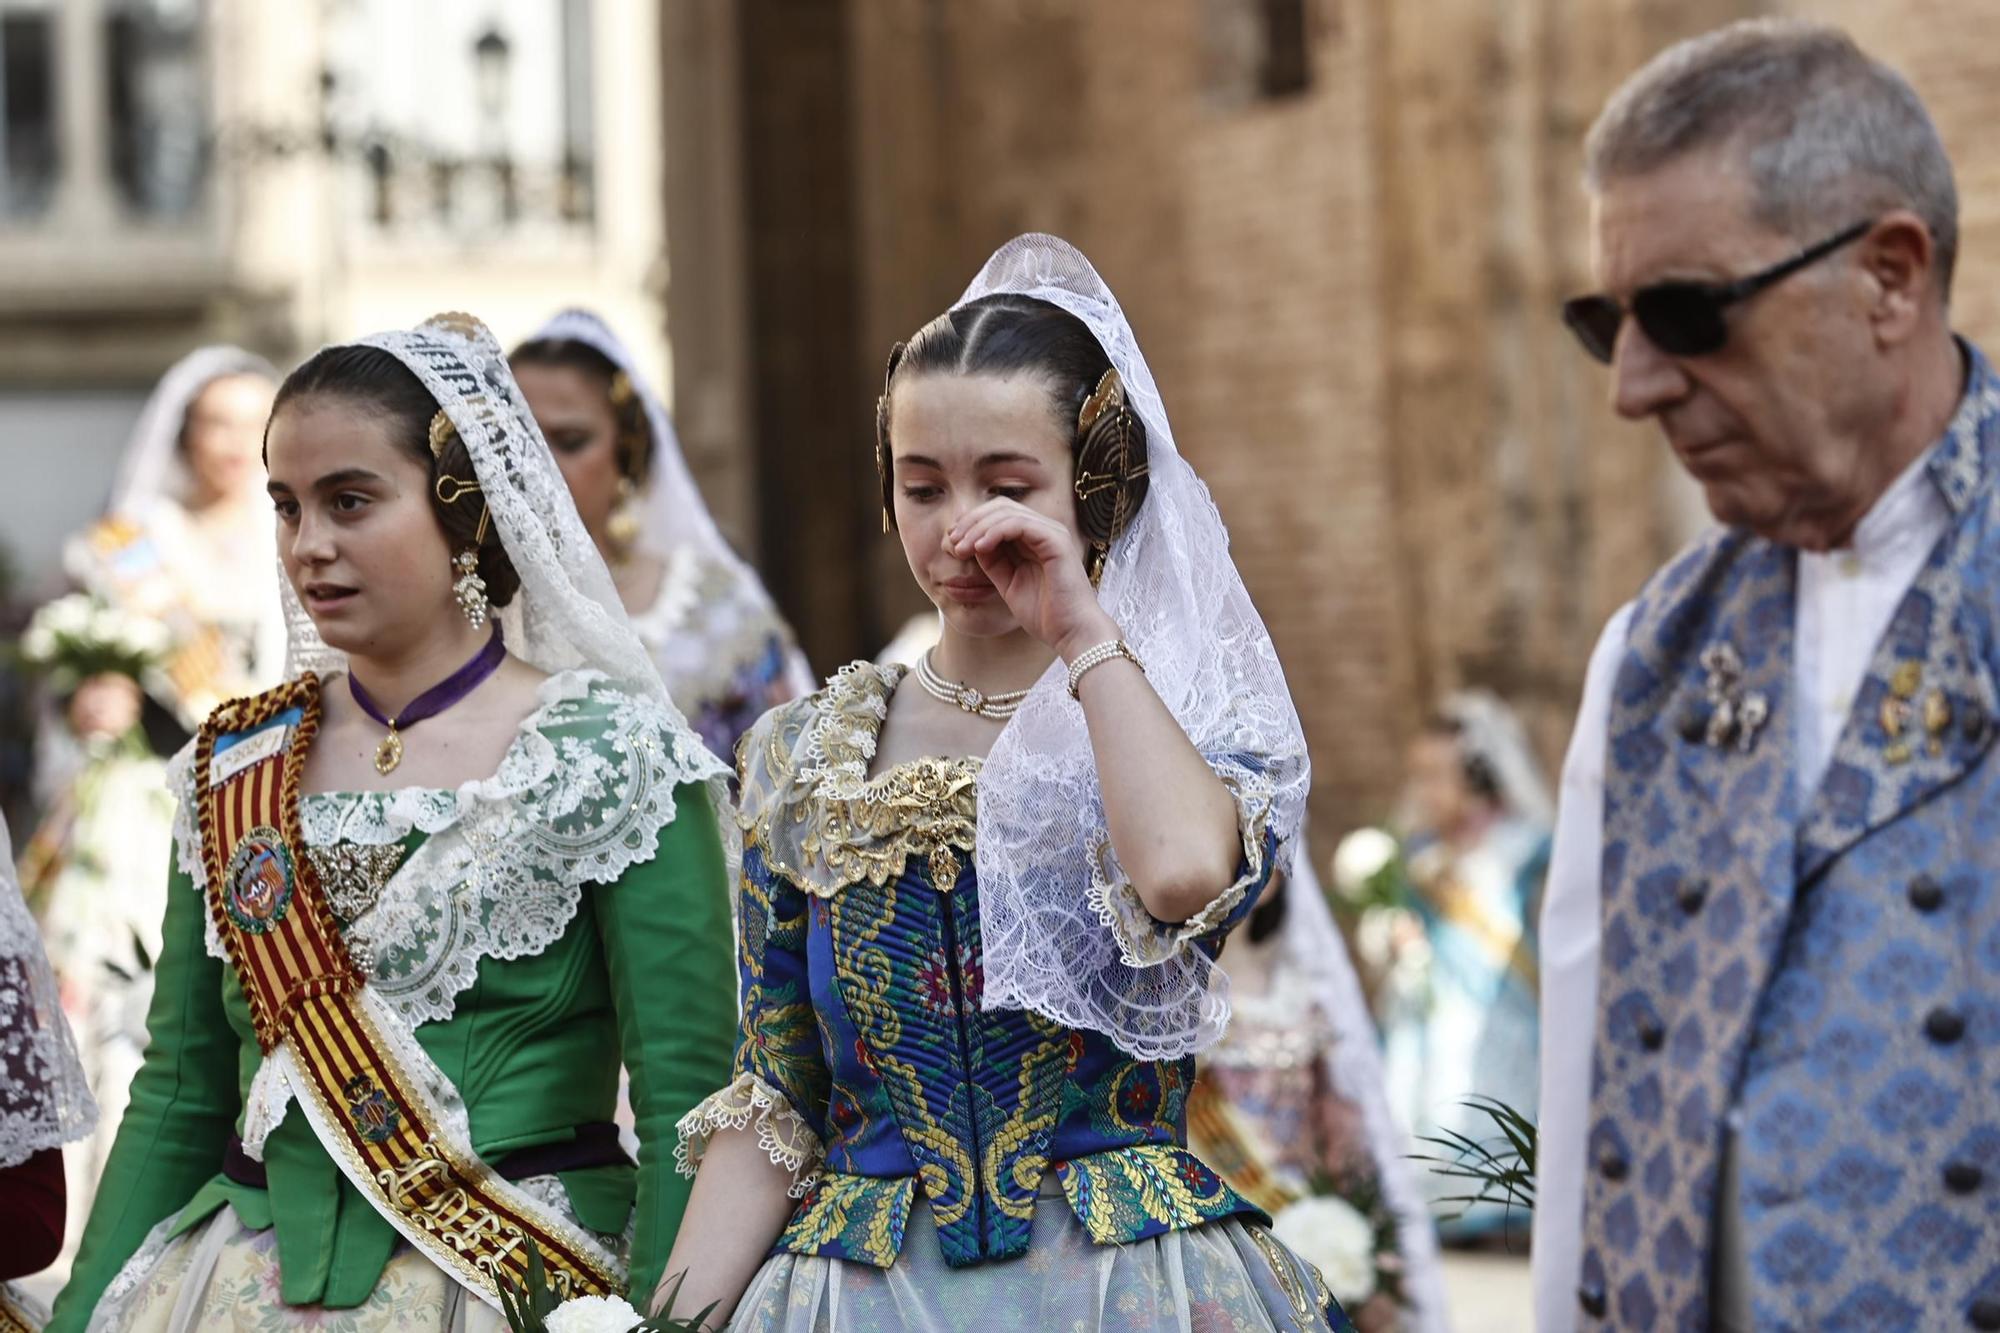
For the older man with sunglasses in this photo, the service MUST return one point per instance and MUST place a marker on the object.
(1776, 885)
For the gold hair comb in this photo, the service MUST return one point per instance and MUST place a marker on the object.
(442, 432)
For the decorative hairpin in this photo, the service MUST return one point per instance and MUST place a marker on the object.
(882, 469)
(1109, 394)
(469, 327)
(450, 489)
(442, 432)
(1107, 397)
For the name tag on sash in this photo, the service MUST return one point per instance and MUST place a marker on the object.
(251, 749)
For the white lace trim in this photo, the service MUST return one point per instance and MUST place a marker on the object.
(110, 1311)
(270, 1093)
(840, 743)
(710, 620)
(782, 1133)
(579, 798)
(1143, 939)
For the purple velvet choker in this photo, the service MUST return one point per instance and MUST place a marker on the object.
(431, 702)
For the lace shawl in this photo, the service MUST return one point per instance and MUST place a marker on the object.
(44, 1100)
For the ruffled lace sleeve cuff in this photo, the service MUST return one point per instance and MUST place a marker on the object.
(1146, 941)
(782, 1132)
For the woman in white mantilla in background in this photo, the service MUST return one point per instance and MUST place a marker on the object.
(429, 894)
(1459, 1009)
(182, 568)
(981, 900)
(725, 653)
(186, 538)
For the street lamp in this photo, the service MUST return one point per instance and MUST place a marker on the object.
(492, 55)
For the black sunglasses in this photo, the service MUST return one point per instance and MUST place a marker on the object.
(1686, 318)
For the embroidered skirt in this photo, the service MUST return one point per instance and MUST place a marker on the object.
(224, 1275)
(1224, 1277)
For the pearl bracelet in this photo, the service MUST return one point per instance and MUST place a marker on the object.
(1098, 656)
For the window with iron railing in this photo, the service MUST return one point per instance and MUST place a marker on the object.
(158, 124)
(492, 132)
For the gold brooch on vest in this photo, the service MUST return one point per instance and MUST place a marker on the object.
(1900, 710)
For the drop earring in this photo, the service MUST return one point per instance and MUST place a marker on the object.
(470, 589)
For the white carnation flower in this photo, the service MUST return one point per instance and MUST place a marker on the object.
(39, 643)
(107, 625)
(1332, 1236)
(68, 615)
(593, 1314)
(1359, 858)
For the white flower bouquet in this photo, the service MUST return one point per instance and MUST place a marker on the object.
(1333, 1236)
(76, 637)
(1364, 865)
(537, 1308)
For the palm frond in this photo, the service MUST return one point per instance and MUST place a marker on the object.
(1501, 1165)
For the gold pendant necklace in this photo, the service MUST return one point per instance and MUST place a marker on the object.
(430, 703)
(389, 753)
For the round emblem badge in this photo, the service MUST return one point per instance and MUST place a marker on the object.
(258, 882)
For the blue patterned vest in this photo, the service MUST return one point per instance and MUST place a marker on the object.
(1819, 969)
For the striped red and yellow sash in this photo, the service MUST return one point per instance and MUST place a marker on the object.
(305, 994)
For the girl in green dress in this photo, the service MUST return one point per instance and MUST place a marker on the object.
(427, 896)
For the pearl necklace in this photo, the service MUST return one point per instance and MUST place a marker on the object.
(998, 707)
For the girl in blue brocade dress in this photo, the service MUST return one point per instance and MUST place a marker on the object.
(981, 899)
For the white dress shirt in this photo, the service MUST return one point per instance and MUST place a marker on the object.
(1845, 599)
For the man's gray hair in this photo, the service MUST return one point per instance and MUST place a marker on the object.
(1829, 135)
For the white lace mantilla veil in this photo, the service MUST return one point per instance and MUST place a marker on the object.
(1314, 948)
(44, 1099)
(1047, 873)
(152, 466)
(566, 613)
